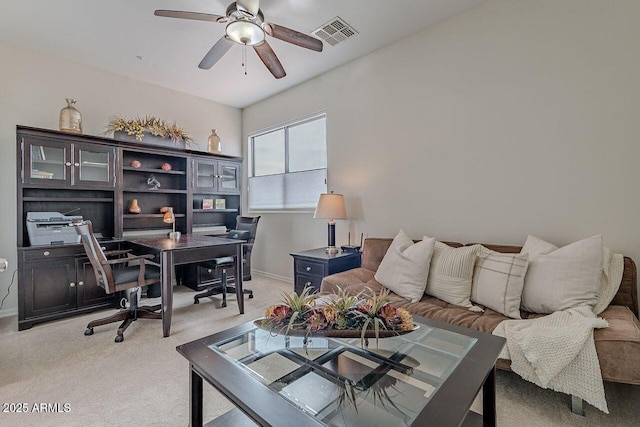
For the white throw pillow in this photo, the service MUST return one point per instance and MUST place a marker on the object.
(405, 267)
(451, 274)
(562, 278)
(498, 280)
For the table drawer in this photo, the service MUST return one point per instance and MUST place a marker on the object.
(52, 252)
(304, 280)
(310, 268)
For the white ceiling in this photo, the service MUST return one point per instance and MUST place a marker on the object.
(112, 34)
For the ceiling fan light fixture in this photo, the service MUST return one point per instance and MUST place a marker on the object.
(245, 32)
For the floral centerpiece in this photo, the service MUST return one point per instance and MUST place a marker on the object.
(367, 314)
(137, 127)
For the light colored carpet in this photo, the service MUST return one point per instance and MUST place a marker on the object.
(143, 381)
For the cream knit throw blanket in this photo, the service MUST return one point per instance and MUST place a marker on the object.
(557, 352)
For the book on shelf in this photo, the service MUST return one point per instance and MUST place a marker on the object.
(41, 174)
(207, 204)
(37, 152)
(221, 203)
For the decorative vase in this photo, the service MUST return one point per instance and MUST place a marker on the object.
(214, 146)
(70, 118)
(134, 208)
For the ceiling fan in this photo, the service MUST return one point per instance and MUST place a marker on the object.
(246, 26)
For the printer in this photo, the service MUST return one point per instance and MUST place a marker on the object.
(51, 228)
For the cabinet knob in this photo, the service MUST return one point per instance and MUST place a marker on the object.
(308, 284)
(46, 253)
(72, 285)
(104, 248)
(81, 283)
(76, 164)
(308, 268)
(209, 271)
(67, 164)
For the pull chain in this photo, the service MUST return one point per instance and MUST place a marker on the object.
(244, 58)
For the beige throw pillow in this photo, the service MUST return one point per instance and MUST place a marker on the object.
(451, 273)
(405, 267)
(561, 278)
(498, 280)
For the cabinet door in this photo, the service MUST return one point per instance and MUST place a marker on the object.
(49, 287)
(205, 176)
(93, 166)
(46, 163)
(228, 178)
(89, 293)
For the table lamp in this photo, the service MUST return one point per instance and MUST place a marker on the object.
(170, 218)
(331, 207)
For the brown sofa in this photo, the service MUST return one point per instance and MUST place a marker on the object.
(618, 346)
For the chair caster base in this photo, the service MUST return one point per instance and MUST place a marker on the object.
(119, 338)
(88, 331)
(250, 296)
(196, 301)
(224, 304)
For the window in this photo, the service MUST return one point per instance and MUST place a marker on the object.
(288, 165)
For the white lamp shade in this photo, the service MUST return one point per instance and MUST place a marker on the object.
(245, 32)
(331, 206)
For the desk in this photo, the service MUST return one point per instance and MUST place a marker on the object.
(186, 250)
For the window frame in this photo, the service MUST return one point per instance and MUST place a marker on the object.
(251, 159)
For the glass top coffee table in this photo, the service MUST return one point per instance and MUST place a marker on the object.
(427, 377)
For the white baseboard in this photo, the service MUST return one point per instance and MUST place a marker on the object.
(273, 276)
(8, 312)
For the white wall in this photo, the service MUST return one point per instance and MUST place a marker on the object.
(33, 88)
(512, 118)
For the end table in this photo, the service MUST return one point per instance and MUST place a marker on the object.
(310, 267)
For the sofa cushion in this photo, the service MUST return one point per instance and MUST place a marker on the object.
(451, 273)
(498, 280)
(618, 345)
(561, 278)
(405, 266)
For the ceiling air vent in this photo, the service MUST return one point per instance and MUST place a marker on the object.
(335, 31)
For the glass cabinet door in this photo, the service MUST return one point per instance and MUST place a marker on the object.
(205, 175)
(48, 163)
(52, 163)
(229, 178)
(93, 166)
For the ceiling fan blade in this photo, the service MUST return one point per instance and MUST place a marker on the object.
(270, 60)
(250, 6)
(187, 15)
(215, 53)
(292, 36)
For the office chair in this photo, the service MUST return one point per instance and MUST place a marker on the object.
(250, 224)
(246, 228)
(129, 278)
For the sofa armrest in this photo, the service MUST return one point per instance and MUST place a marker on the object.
(354, 276)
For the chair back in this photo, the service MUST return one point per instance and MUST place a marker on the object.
(97, 258)
(250, 224)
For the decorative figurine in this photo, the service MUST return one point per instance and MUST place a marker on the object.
(153, 183)
(166, 167)
(134, 208)
(136, 164)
